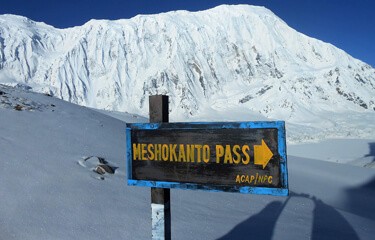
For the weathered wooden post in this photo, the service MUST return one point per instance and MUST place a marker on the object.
(160, 197)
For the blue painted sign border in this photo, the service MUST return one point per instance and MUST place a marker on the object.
(281, 141)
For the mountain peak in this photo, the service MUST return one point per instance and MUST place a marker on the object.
(232, 57)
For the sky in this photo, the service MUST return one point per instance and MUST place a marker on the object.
(347, 24)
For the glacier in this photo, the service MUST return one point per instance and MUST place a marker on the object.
(232, 62)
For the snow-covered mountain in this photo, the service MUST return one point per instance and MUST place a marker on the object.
(227, 59)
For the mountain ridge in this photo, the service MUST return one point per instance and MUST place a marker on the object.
(228, 57)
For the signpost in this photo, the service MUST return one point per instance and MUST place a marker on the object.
(245, 157)
(160, 197)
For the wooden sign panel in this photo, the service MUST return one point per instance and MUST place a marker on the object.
(246, 157)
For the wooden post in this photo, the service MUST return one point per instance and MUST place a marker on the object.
(160, 197)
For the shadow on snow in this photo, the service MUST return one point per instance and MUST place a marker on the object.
(328, 223)
(358, 199)
(259, 226)
(372, 152)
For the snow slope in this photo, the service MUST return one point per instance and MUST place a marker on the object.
(49, 148)
(359, 152)
(230, 58)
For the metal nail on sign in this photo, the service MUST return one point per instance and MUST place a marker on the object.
(245, 157)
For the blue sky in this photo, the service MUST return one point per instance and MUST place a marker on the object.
(347, 24)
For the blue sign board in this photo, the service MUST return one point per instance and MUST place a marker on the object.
(245, 157)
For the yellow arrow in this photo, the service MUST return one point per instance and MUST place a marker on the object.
(262, 154)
